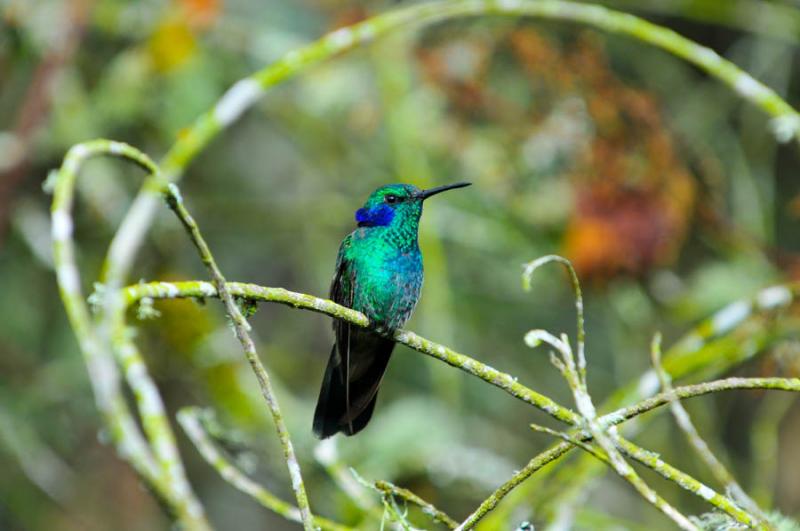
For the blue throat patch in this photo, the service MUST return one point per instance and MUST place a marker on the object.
(379, 216)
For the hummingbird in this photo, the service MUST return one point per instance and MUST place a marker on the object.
(378, 273)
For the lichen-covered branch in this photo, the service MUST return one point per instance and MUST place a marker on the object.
(162, 290)
(690, 391)
(157, 462)
(437, 515)
(189, 419)
(708, 348)
(534, 465)
(241, 328)
(684, 422)
(625, 472)
(155, 458)
(575, 375)
(167, 290)
(200, 290)
(685, 481)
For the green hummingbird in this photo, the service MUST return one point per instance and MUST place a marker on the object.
(379, 273)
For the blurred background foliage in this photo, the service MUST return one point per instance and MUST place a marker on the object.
(667, 191)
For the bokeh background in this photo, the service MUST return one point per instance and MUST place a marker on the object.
(668, 192)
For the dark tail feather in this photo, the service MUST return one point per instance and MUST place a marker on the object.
(330, 403)
(367, 366)
(360, 422)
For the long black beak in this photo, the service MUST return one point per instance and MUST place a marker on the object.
(425, 194)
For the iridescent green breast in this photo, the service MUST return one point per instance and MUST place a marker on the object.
(386, 273)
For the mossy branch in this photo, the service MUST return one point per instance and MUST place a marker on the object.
(156, 459)
(390, 489)
(242, 328)
(197, 289)
(701, 448)
(62, 236)
(617, 463)
(710, 347)
(194, 289)
(190, 420)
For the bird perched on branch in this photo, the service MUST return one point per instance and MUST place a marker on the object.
(378, 273)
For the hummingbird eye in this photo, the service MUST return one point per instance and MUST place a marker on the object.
(391, 198)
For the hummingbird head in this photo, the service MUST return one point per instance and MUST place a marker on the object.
(401, 202)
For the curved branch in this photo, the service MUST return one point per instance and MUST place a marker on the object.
(157, 463)
(690, 391)
(693, 352)
(242, 96)
(168, 290)
(241, 328)
(390, 489)
(197, 289)
(189, 418)
(684, 422)
(246, 92)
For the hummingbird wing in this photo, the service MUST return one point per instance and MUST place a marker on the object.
(343, 289)
(337, 379)
(356, 366)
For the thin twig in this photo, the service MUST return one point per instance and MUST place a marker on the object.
(534, 465)
(575, 376)
(156, 461)
(241, 328)
(327, 455)
(684, 422)
(428, 508)
(167, 290)
(685, 356)
(200, 289)
(599, 453)
(527, 273)
(189, 419)
(690, 391)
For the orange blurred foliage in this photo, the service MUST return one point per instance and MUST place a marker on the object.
(634, 196)
(201, 13)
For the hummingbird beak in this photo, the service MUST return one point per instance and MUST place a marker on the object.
(425, 194)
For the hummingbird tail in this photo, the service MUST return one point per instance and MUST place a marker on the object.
(338, 412)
